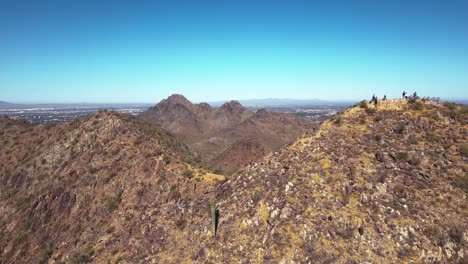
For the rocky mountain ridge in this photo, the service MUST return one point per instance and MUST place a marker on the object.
(385, 184)
(211, 131)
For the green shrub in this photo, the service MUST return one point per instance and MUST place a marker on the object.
(363, 104)
(370, 111)
(180, 223)
(417, 106)
(112, 203)
(413, 140)
(415, 160)
(400, 129)
(187, 173)
(432, 136)
(450, 106)
(174, 193)
(461, 182)
(337, 120)
(456, 231)
(464, 150)
(401, 156)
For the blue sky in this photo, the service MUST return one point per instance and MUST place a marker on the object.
(143, 51)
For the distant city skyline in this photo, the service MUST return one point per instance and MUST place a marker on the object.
(144, 51)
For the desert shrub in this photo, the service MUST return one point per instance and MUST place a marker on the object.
(412, 100)
(413, 139)
(44, 254)
(140, 191)
(110, 229)
(401, 156)
(345, 231)
(363, 104)
(174, 193)
(415, 160)
(378, 137)
(370, 111)
(187, 173)
(377, 118)
(180, 223)
(433, 115)
(427, 98)
(446, 144)
(464, 150)
(82, 257)
(93, 170)
(115, 251)
(382, 177)
(112, 203)
(218, 171)
(337, 120)
(463, 110)
(432, 136)
(450, 106)
(417, 106)
(456, 231)
(461, 182)
(167, 159)
(399, 187)
(434, 234)
(399, 129)
(405, 252)
(137, 141)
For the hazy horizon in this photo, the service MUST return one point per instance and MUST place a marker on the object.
(143, 51)
(214, 101)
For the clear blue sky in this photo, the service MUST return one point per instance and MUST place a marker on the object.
(136, 51)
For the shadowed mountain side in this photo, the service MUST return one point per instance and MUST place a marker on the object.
(241, 153)
(212, 131)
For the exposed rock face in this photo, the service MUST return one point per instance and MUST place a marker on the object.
(211, 132)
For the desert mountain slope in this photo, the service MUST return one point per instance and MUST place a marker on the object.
(384, 185)
(106, 187)
(213, 131)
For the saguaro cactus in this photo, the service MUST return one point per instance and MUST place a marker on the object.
(214, 217)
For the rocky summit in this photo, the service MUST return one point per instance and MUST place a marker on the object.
(372, 184)
(227, 131)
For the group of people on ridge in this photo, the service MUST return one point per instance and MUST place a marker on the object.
(375, 100)
(405, 95)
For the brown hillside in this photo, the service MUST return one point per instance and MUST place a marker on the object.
(213, 131)
(103, 188)
(371, 185)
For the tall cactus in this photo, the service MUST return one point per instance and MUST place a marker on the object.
(214, 217)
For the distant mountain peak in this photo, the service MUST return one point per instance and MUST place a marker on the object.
(211, 131)
(232, 105)
(177, 98)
